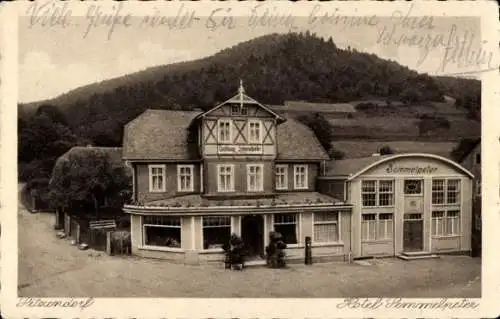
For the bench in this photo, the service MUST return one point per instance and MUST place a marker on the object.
(102, 224)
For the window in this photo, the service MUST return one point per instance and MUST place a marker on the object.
(238, 110)
(478, 188)
(255, 181)
(445, 191)
(326, 227)
(281, 177)
(157, 178)
(225, 178)
(163, 231)
(377, 226)
(413, 186)
(224, 131)
(216, 231)
(185, 178)
(286, 225)
(369, 193)
(254, 133)
(377, 193)
(386, 193)
(300, 177)
(453, 191)
(445, 223)
(438, 193)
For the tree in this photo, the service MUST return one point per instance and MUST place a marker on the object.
(321, 128)
(386, 150)
(323, 131)
(53, 112)
(410, 95)
(40, 142)
(85, 179)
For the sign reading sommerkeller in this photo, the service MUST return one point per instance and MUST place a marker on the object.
(416, 170)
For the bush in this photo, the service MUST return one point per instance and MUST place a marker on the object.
(386, 150)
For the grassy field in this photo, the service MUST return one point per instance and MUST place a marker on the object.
(387, 127)
(361, 148)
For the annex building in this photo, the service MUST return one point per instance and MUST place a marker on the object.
(404, 203)
(241, 168)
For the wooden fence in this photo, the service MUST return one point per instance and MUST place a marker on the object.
(97, 233)
(101, 235)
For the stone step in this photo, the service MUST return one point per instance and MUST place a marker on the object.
(416, 253)
(416, 257)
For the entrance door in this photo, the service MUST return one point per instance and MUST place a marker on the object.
(252, 234)
(413, 239)
(413, 225)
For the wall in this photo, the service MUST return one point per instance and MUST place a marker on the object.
(312, 169)
(191, 240)
(187, 240)
(332, 187)
(142, 181)
(240, 175)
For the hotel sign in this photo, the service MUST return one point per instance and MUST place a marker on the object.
(412, 170)
(239, 149)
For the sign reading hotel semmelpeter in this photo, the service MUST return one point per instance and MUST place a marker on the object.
(413, 170)
(240, 149)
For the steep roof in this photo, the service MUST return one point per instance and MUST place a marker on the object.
(296, 141)
(161, 135)
(351, 168)
(166, 135)
(243, 99)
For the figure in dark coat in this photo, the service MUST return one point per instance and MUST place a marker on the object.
(235, 253)
(275, 251)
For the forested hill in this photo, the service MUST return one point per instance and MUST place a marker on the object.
(274, 68)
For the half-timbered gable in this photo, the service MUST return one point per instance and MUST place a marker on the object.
(240, 126)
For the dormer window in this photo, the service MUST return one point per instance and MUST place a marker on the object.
(224, 131)
(239, 110)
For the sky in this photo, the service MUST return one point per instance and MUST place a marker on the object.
(54, 60)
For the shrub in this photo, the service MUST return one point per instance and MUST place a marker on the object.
(386, 150)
